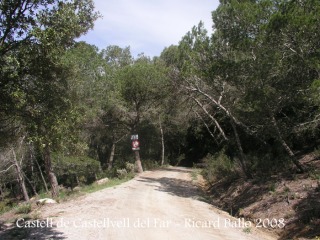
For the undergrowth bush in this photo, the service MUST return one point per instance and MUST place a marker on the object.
(122, 173)
(5, 205)
(130, 167)
(268, 163)
(149, 164)
(75, 170)
(23, 208)
(218, 166)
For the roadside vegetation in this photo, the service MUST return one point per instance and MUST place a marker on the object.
(286, 197)
(31, 210)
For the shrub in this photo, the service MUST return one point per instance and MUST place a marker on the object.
(23, 209)
(218, 166)
(267, 163)
(150, 164)
(130, 167)
(6, 205)
(74, 170)
(122, 173)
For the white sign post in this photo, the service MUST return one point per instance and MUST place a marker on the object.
(134, 137)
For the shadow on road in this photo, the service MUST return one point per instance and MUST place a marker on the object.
(173, 169)
(174, 186)
(15, 233)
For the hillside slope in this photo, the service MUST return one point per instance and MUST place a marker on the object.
(295, 198)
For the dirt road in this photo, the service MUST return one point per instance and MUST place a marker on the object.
(162, 204)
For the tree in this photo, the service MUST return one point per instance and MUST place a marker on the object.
(196, 75)
(141, 88)
(10, 157)
(51, 23)
(271, 64)
(34, 81)
(99, 97)
(117, 57)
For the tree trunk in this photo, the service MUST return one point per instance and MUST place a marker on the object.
(31, 185)
(286, 146)
(42, 177)
(77, 180)
(242, 156)
(52, 177)
(138, 162)
(1, 193)
(39, 168)
(113, 149)
(212, 118)
(162, 142)
(20, 177)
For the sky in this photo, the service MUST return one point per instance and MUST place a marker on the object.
(147, 26)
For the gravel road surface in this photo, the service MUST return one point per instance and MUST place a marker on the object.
(162, 204)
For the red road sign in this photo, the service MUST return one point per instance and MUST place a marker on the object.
(135, 145)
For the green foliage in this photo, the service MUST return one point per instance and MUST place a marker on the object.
(44, 194)
(218, 166)
(149, 164)
(6, 204)
(141, 84)
(272, 187)
(127, 172)
(122, 173)
(315, 87)
(35, 82)
(111, 183)
(112, 173)
(130, 167)
(268, 163)
(23, 208)
(117, 57)
(88, 83)
(194, 52)
(194, 174)
(315, 174)
(74, 170)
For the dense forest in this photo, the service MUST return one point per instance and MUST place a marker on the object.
(243, 101)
